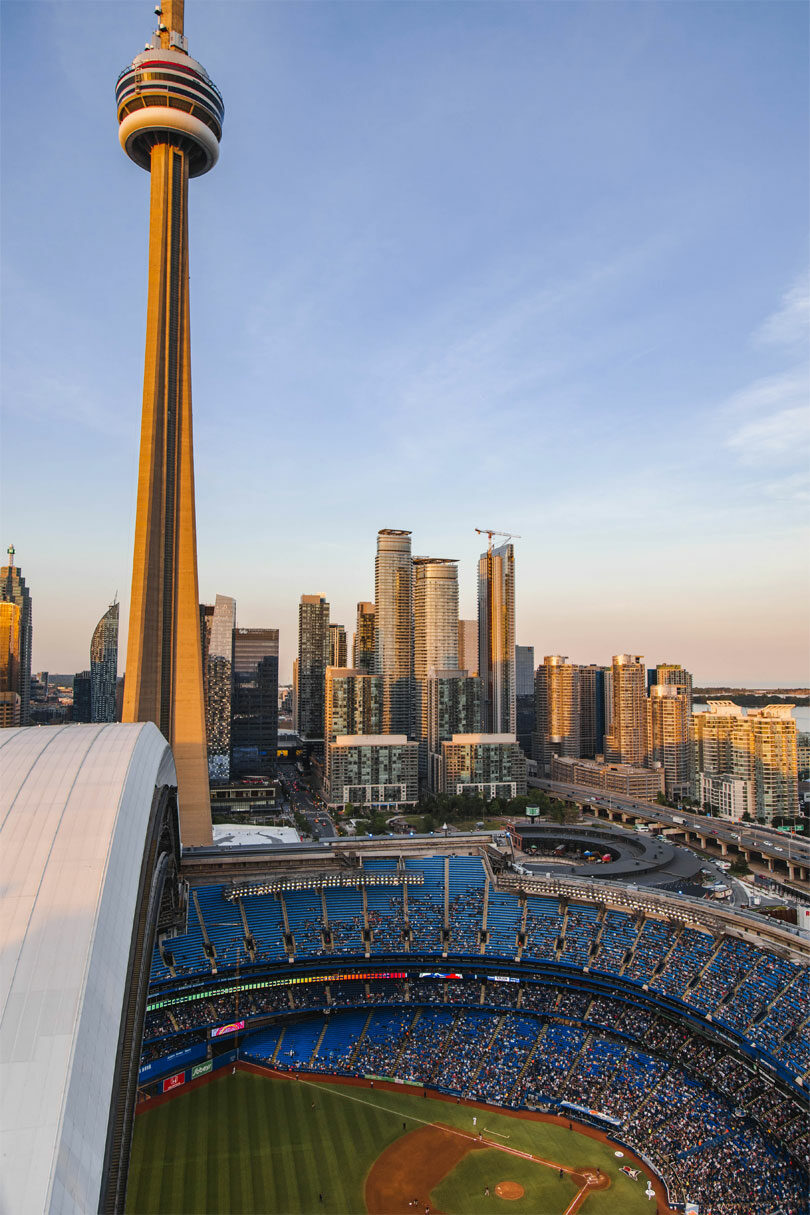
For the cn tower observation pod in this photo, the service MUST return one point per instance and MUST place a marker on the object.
(165, 96)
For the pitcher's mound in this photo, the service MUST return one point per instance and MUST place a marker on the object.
(509, 1189)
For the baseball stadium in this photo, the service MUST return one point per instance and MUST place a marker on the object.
(382, 1026)
(385, 1026)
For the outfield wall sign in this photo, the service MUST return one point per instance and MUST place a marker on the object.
(202, 1069)
(173, 1081)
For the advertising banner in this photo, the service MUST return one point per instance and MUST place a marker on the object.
(532, 812)
(171, 1063)
(201, 1069)
(173, 1081)
(222, 1031)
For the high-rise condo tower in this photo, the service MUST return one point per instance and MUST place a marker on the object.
(496, 638)
(393, 627)
(435, 631)
(170, 123)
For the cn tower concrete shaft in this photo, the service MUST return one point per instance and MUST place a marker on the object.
(164, 661)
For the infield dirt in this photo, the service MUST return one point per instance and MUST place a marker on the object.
(411, 1168)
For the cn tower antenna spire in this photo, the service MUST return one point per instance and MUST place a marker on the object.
(170, 16)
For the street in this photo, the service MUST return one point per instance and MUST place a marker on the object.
(301, 801)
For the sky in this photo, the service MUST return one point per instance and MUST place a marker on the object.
(536, 267)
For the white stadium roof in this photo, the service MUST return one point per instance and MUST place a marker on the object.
(75, 805)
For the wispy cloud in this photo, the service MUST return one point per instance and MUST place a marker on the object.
(783, 436)
(770, 418)
(789, 325)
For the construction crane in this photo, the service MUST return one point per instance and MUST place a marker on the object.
(491, 531)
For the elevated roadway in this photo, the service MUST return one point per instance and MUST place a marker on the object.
(780, 853)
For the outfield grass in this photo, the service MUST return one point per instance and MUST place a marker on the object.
(249, 1143)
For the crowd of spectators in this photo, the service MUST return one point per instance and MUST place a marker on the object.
(758, 993)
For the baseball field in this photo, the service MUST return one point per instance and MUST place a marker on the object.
(255, 1143)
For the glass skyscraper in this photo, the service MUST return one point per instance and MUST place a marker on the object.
(254, 717)
(14, 590)
(104, 666)
(363, 647)
(496, 639)
(9, 665)
(313, 659)
(393, 657)
(435, 631)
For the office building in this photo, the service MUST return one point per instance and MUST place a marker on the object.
(668, 737)
(82, 697)
(435, 633)
(628, 780)
(373, 772)
(254, 714)
(104, 666)
(468, 646)
(313, 659)
(338, 653)
(524, 670)
(14, 590)
(453, 707)
(674, 675)
(525, 715)
(557, 706)
(592, 694)
(760, 747)
(172, 129)
(626, 741)
(496, 638)
(363, 642)
(9, 665)
(491, 765)
(393, 638)
(219, 682)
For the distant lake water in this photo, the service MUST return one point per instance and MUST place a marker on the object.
(801, 714)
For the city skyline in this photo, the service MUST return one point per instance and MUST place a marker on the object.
(660, 332)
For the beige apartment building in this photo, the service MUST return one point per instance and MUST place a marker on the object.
(726, 796)
(626, 741)
(760, 747)
(557, 710)
(668, 741)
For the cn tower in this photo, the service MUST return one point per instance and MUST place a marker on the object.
(170, 123)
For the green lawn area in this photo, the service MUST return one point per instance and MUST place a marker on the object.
(249, 1143)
